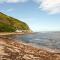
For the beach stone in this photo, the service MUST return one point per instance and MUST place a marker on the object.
(14, 50)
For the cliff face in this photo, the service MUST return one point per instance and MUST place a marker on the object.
(12, 50)
(10, 24)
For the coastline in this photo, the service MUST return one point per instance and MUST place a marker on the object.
(29, 44)
(23, 51)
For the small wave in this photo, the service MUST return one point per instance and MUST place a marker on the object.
(45, 48)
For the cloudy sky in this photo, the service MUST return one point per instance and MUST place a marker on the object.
(40, 15)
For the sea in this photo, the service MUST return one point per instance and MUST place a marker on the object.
(40, 39)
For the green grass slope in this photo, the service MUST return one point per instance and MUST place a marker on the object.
(10, 24)
(6, 28)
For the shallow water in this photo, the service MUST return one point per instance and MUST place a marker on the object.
(49, 39)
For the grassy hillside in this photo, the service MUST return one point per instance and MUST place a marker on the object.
(6, 28)
(10, 24)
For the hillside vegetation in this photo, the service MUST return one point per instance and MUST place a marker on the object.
(10, 24)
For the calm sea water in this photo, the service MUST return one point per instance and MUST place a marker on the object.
(48, 39)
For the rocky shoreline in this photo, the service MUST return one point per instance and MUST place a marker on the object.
(14, 50)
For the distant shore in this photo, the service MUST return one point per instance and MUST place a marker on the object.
(14, 33)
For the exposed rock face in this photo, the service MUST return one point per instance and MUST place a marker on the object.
(12, 50)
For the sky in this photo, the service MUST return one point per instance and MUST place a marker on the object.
(40, 15)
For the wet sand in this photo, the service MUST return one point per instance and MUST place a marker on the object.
(14, 50)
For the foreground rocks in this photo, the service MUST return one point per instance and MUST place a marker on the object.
(12, 50)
